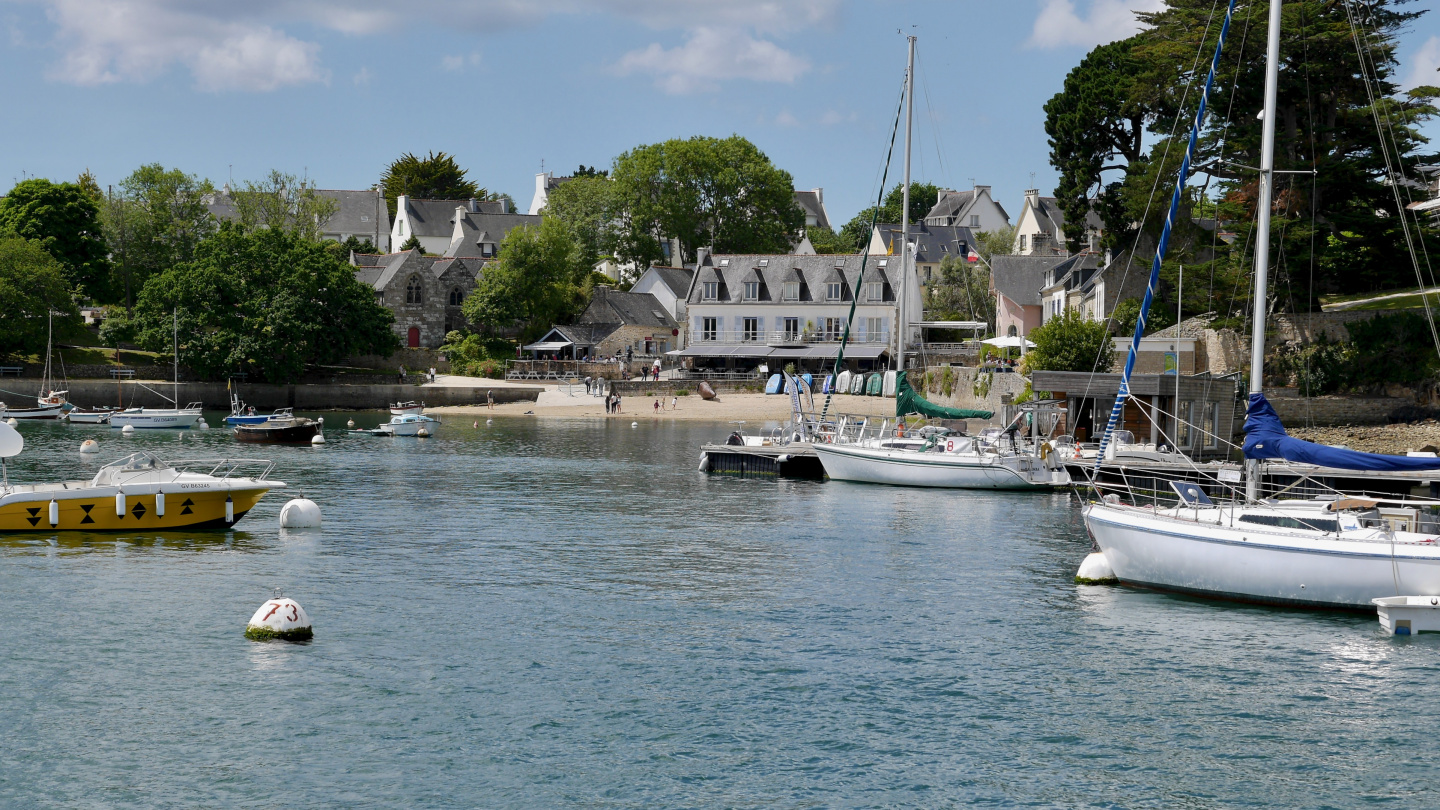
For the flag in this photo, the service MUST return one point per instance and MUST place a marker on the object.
(972, 256)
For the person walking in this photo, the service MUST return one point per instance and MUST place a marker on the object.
(617, 402)
(674, 403)
(657, 407)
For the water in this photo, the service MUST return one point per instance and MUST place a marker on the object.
(567, 614)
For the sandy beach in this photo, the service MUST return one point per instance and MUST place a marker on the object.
(752, 408)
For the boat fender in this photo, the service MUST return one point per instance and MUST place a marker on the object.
(900, 429)
(1045, 449)
(159, 504)
(300, 513)
(229, 509)
(120, 503)
(1095, 570)
(54, 513)
(279, 618)
(704, 462)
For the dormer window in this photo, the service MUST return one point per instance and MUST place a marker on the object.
(883, 262)
(711, 290)
(487, 249)
(764, 262)
(832, 291)
(724, 262)
(752, 291)
(875, 290)
(790, 290)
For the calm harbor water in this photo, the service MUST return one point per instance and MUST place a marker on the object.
(567, 614)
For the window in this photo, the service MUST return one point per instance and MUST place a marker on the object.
(790, 290)
(875, 290)
(884, 262)
(724, 262)
(487, 249)
(875, 330)
(1210, 421)
(712, 290)
(414, 292)
(1185, 413)
(974, 220)
(1022, 243)
(832, 291)
(708, 331)
(792, 328)
(457, 297)
(764, 262)
(751, 330)
(1011, 331)
(752, 290)
(834, 328)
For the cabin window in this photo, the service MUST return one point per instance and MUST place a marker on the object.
(712, 290)
(832, 291)
(875, 290)
(752, 330)
(752, 290)
(708, 330)
(457, 297)
(413, 291)
(790, 290)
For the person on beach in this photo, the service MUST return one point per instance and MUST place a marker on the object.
(490, 400)
(617, 402)
(674, 403)
(402, 375)
(657, 407)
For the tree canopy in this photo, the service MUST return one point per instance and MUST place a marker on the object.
(156, 220)
(1337, 231)
(589, 205)
(720, 192)
(434, 177)
(539, 279)
(1070, 342)
(65, 221)
(32, 283)
(923, 197)
(268, 302)
(283, 202)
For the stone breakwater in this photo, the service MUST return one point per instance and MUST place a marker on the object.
(1395, 439)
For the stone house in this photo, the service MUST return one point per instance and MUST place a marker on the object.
(424, 292)
(613, 324)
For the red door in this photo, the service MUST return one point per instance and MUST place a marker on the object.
(414, 339)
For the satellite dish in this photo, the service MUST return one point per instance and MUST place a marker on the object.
(11, 442)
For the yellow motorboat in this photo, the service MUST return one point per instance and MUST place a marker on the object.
(137, 493)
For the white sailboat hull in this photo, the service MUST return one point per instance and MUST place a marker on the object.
(942, 470)
(1252, 564)
(49, 412)
(155, 418)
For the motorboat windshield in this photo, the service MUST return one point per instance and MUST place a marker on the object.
(141, 461)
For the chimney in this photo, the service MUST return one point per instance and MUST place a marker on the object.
(979, 189)
(702, 256)
(1107, 257)
(474, 206)
(1032, 197)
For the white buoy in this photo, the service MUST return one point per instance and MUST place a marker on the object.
(318, 438)
(1095, 570)
(89, 446)
(489, 421)
(350, 424)
(12, 422)
(634, 424)
(203, 425)
(422, 433)
(54, 513)
(279, 618)
(300, 513)
(127, 430)
(319, 420)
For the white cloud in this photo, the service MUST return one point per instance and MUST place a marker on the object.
(229, 45)
(785, 119)
(1060, 24)
(1424, 66)
(458, 62)
(362, 77)
(832, 117)
(712, 55)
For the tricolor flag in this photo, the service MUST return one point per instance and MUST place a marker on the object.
(972, 256)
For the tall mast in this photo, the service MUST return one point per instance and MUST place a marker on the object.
(1262, 228)
(902, 325)
(175, 348)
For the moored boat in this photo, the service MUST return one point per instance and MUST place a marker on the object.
(89, 416)
(283, 427)
(409, 424)
(402, 408)
(146, 418)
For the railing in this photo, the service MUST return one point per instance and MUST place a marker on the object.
(785, 336)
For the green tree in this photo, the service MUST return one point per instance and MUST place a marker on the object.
(32, 283)
(539, 279)
(962, 292)
(720, 192)
(156, 221)
(434, 177)
(826, 241)
(1070, 342)
(590, 171)
(413, 243)
(269, 302)
(923, 197)
(589, 206)
(284, 202)
(65, 221)
(1127, 312)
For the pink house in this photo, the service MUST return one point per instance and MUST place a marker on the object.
(1016, 282)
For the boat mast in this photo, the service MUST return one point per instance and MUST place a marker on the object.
(175, 349)
(1262, 228)
(902, 325)
(49, 350)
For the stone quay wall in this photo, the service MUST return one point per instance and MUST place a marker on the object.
(1329, 411)
(87, 393)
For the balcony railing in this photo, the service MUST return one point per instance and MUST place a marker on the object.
(784, 337)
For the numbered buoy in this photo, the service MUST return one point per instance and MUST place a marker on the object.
(280, 618)
(318, 438)
(350, 424)
(422, 433)
(1096, 570)
(127, 430)
(89, 446)
(300, 513)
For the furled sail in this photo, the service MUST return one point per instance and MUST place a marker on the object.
(908, 400)
(1265, 437)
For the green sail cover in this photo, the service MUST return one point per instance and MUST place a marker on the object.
(908, 400)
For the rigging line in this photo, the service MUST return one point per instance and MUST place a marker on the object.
(865, 257)
(1169, 141)
(1314, 192)
(934, 121)
(1164, 242)
(1367, 69)
(1225, 144)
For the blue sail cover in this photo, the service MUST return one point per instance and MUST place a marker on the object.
(1265, 437)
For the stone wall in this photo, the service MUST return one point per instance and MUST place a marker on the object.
(963, 394)
(1296, 411)
(411, 359)
(214, 395)
(668, 388)
(1307, 327)
(633, 337)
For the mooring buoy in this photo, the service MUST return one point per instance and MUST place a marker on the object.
(280, 618)
(350, 424)
(300, 513)
(89, 446)
(422, 433)
(318, 438)
(1096, 570)
(128, 430)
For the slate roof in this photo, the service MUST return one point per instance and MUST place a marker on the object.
(349, 217)
(932, 242)
(676, 279)
(379, 270)
(609, 306)
(1020, 278)
(437, 217)
(813, 271)
(814, 206)
(478, 228)
(950, 204)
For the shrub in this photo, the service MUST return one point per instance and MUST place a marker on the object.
(947, 381)
(1070, 342)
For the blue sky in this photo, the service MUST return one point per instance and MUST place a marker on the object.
(337, 88)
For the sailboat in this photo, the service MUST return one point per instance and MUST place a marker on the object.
(1328, 552)
(51, 403)
(139, 418)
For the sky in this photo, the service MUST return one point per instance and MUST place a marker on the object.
(336, 89)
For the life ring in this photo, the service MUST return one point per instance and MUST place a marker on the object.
(1045, 449)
